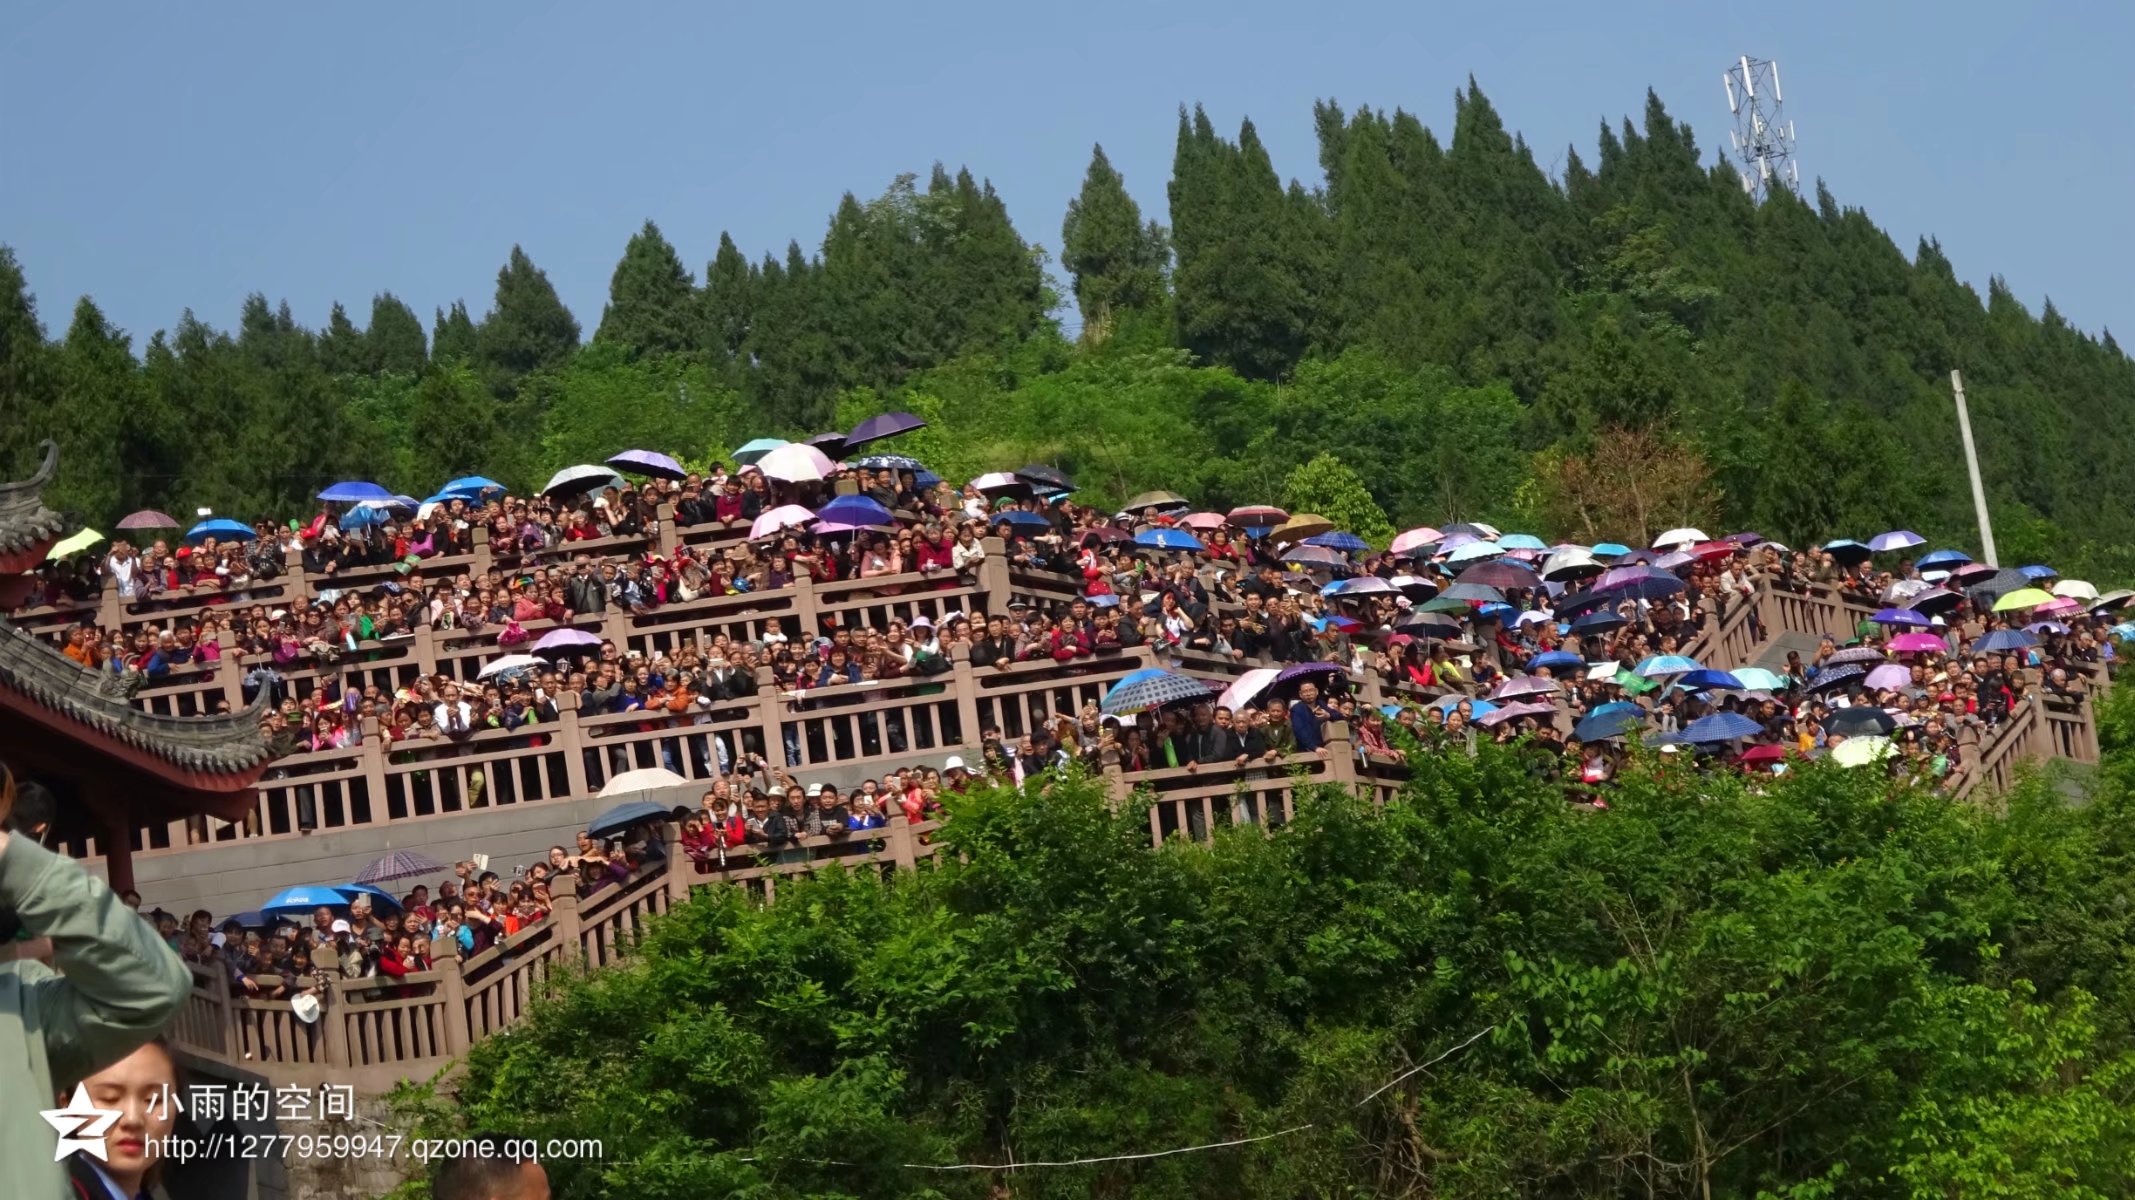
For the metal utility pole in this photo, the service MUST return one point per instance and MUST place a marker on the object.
(1971, 462)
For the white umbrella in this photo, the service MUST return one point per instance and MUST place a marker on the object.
(1570, 562)
(1678, 537)
(510, 662)
(796, 462)
(785, 516)
(582, 478)
(644, 779)
(1247, 686)
(1860, 751)
(2077, 589)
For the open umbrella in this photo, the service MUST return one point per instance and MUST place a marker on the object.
(1610, 549)
(1888, 677)
(354, 490)
(2077, 589)
(1517, 686)
(875, 428)
(1168, 539)
(400, 864)
(1019, 519)
(1854, 655)
(1499, 575)
(1473, 593)
(1152, 687)
(1678, 537)
(1896, 539)
(1313, 556)
(1918, 643)
(1155, 499)
(1247, 687)
(1347, 543)
(2023, 598)
(1860, 751)
(1001, 483)
(508, 664)
(1998, 641)
(1256, 516)
(754, 449)
(888, 462)
(1570, 563)
(1942, 560)
(1302, 526)
(472, 485)
(1430, 625)
(643, 779)
(1721, 727)
(620, 818)
(648, 462)
(1935, 601)
(578, 480)
(1552, 659)
(1706, 679)
(1522, 541)
(1045, 479)
(1911, 617)
(1104, 535)
(1410, 540)
(1758, 679)
(220, 527)
(1765, 753)
(1666, 664)
(73, 543)
(1204, 521)
(1846, 550)
(832, 444)
(796, 462)
(1362, 585)
(857, 510)
(1603, 725)
(1642, 583)
(566, 639)
(774, 521)
(1513, 712)
(1307, 670)
(1603, 621)
(1831, 677)
(148, 518)
(303, 900)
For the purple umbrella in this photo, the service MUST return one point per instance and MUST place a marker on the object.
(148, 518)
(874, 429)
(1896, 539)
(566, 639)
(1513, 712)
(648, 462)
(1644, 583)
(1525, 685)
(1500, 575)
(1889, 675)
(1306, 670)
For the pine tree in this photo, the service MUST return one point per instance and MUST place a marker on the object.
(727, 304)
(26, 393)
(651, 299)
(528, 328)
(102, 471)
(341, 346)
(393, 342)
(1116, 259)
(454, 336)
(1238, 291)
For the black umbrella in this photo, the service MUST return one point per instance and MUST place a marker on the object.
(1831, 677)
(831, 444)
(1935, 601)
(1860, 719)
(1046, 478)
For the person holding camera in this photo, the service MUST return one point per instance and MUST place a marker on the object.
(115, 986)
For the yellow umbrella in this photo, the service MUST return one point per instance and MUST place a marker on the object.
(1860, 751)
(74, 543)
(2023, 598)
(1302, 526)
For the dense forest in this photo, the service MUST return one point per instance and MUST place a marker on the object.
(1465, 336)
(1816, 985)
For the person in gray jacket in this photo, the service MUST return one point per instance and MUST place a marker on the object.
(115, 987)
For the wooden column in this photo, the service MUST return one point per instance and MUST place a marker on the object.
(668, 537)
(230, 670)
(452, 994)
(571, 740)
(963, 681)
(478, 540)
(993, 575)
(770, 708)
(563, 910)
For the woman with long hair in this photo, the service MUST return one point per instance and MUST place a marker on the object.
(143, 1089)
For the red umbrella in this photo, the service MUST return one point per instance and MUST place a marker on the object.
(1762, 754)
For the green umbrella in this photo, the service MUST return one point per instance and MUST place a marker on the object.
(757, 449)
(2023, 598)
(74, 543)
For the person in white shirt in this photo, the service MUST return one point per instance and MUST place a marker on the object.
(454, 715)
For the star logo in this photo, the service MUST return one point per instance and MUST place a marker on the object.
(80, 1125)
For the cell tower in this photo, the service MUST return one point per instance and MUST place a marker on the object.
(1763, 137)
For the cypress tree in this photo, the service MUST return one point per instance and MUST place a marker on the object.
(651, 299)
(528, 328)
(25, 380)
(454, 337)
(727, 304)
(393, 342)
(1116, 259)
(341, 346)
(102, 469)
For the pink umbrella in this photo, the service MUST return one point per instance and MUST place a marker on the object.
(1204, 520)
(148, 518)
(2058, 607)
(1422, 535)
(1890, 676)
(785, 516)
(1513, 712)
(566, 639)
(796, 462)
(1525, 685)
(1918, 643)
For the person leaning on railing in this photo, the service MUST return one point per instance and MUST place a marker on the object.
(114, 987)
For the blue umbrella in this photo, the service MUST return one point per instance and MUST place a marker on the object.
(1902, 616)
(1999, 640)
(363, 516)
(1481, 708)
(1614, 706)
(1347, 543)
(1643, 583)
(354, 490)
(1666, 664)
(475, 484)
(860, 510)
(381, 899)
(1598, 622)
(1554, 659)
(925, 479)
(1522, 541)
(2038, 572)
(623, 816)
(301, 901)
(755, 448)
(1721, 727)
(1152, 687)
(1021, 519)
(1168, 539)
(222, 527)
(1705, 679)
(1942, 560)
(1610, 550)
(1600, 726)
(1847, 550)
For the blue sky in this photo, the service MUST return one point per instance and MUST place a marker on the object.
(164, 156)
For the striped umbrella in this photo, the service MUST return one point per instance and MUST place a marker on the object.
(400, 864)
